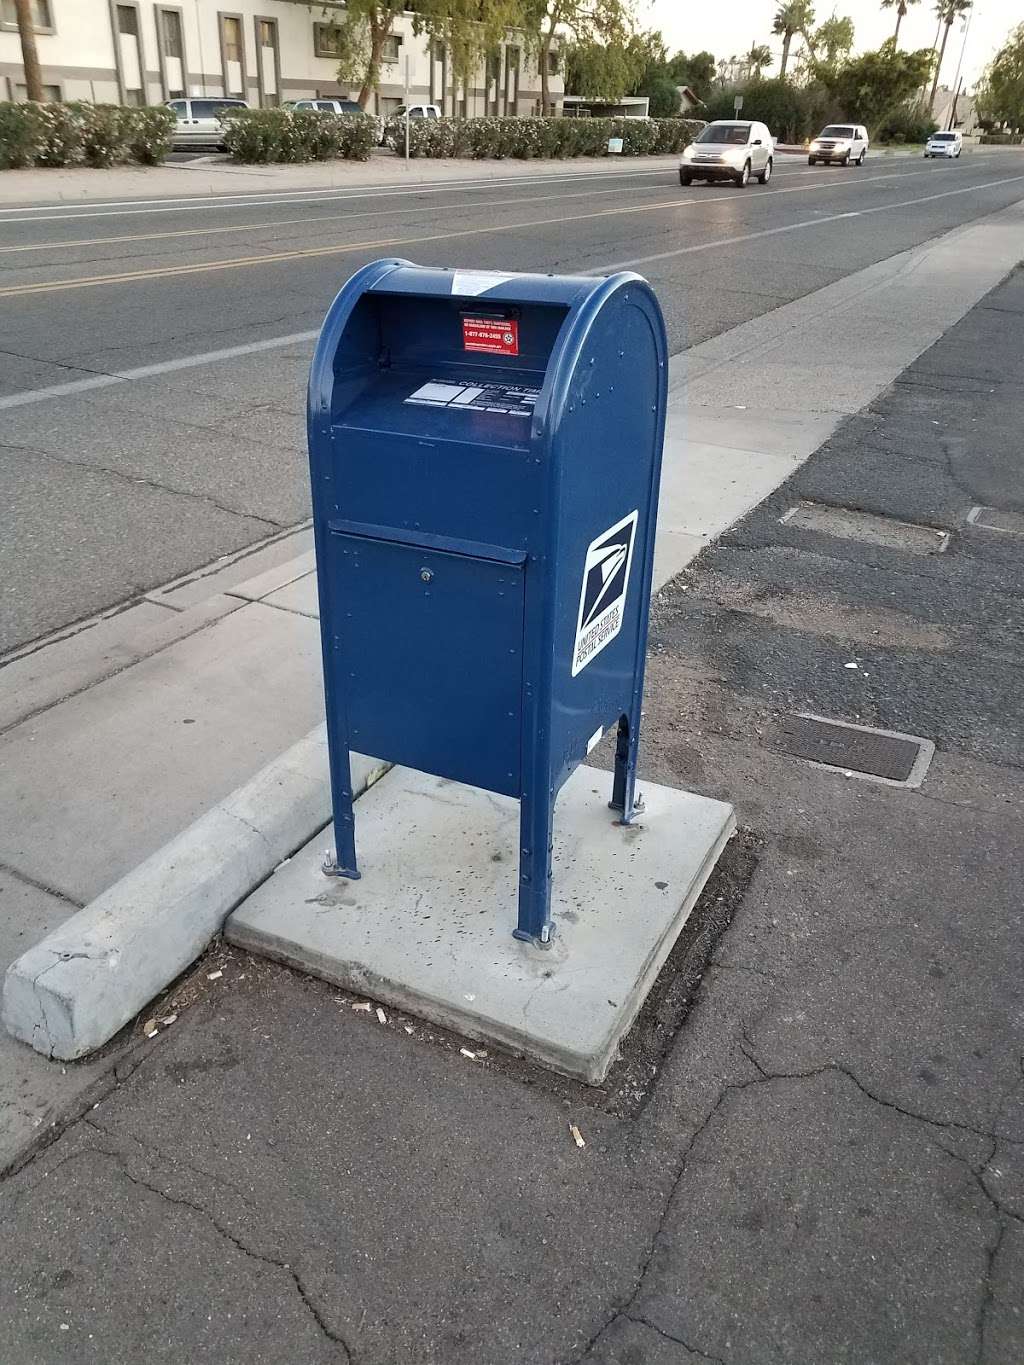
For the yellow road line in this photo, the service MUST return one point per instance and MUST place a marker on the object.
(310, 253)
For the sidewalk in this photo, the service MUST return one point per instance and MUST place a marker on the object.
(829, 1166)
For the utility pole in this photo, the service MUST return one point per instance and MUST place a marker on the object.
(29, 55)
(956, 79)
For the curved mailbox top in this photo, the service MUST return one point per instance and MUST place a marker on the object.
(550, 317)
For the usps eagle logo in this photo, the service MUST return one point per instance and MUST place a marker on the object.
(603, 591)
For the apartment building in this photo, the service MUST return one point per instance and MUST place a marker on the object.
(267, 51)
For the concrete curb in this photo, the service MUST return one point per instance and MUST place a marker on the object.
(71, 993)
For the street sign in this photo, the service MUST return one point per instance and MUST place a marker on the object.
(737, 103)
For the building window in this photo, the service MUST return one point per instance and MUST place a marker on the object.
(172, 52)
(128, 21)
(552, 63)
(51, 94)
(326, 41)
(42, 15)
(391, 50)
(233, 40)
(170, 33)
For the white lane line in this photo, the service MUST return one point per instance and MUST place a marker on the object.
(345, 248)
(634, 261)
(271, 224)
(102, 381)
(188, 362)
(255, 199)
(46, 213)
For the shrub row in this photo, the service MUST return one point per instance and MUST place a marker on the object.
(526, 138)
(298, 135)
(1002, 139)
(82, 134)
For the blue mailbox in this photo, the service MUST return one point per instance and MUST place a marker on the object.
(485, 454)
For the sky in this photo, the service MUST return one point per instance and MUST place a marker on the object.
(725, 29)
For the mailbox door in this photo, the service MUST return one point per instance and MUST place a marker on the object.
(429, 658)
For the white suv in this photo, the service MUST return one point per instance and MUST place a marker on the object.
(842, 142)
(944, 144)
(729, 149)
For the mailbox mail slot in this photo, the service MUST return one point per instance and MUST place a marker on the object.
(485, 453)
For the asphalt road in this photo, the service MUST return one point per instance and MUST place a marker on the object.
(115, 491)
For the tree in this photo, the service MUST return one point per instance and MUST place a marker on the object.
(948, 11)
(361, 35)
(698, 72)
(588, 22)
(759, 56)
(1001, 97)
(833, 39)
(467, 30)
(600, 70)
(793, 17)
(901, 7)
(873, 86)
(29, 54)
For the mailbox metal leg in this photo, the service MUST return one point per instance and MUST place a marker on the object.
(344, 860)
(624, 797)
(535, 829)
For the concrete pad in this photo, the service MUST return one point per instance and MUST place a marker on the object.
(72, 992)
(94, 786)
(428, 928)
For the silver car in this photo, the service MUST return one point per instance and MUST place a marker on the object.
(198, 121)
(729, 149)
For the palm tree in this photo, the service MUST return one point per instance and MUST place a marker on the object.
(759, 56)
(901, 7)
(949, 11)
(793, 17)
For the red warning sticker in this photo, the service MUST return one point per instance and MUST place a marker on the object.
(497, 336)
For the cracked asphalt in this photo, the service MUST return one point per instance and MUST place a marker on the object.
(829, 1168)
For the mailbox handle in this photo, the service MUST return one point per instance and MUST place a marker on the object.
(423, 540)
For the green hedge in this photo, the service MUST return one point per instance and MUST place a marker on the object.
(526, 138)
(262, 135)
(1002, 139)
(82, 134)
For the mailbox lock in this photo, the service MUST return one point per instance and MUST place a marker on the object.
(426, 575)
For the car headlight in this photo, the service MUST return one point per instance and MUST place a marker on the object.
(815, 146)
(688, 152)
(737, 153)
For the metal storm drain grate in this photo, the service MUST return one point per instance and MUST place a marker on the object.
(992, 519)
(856, 749)
(867, 528)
